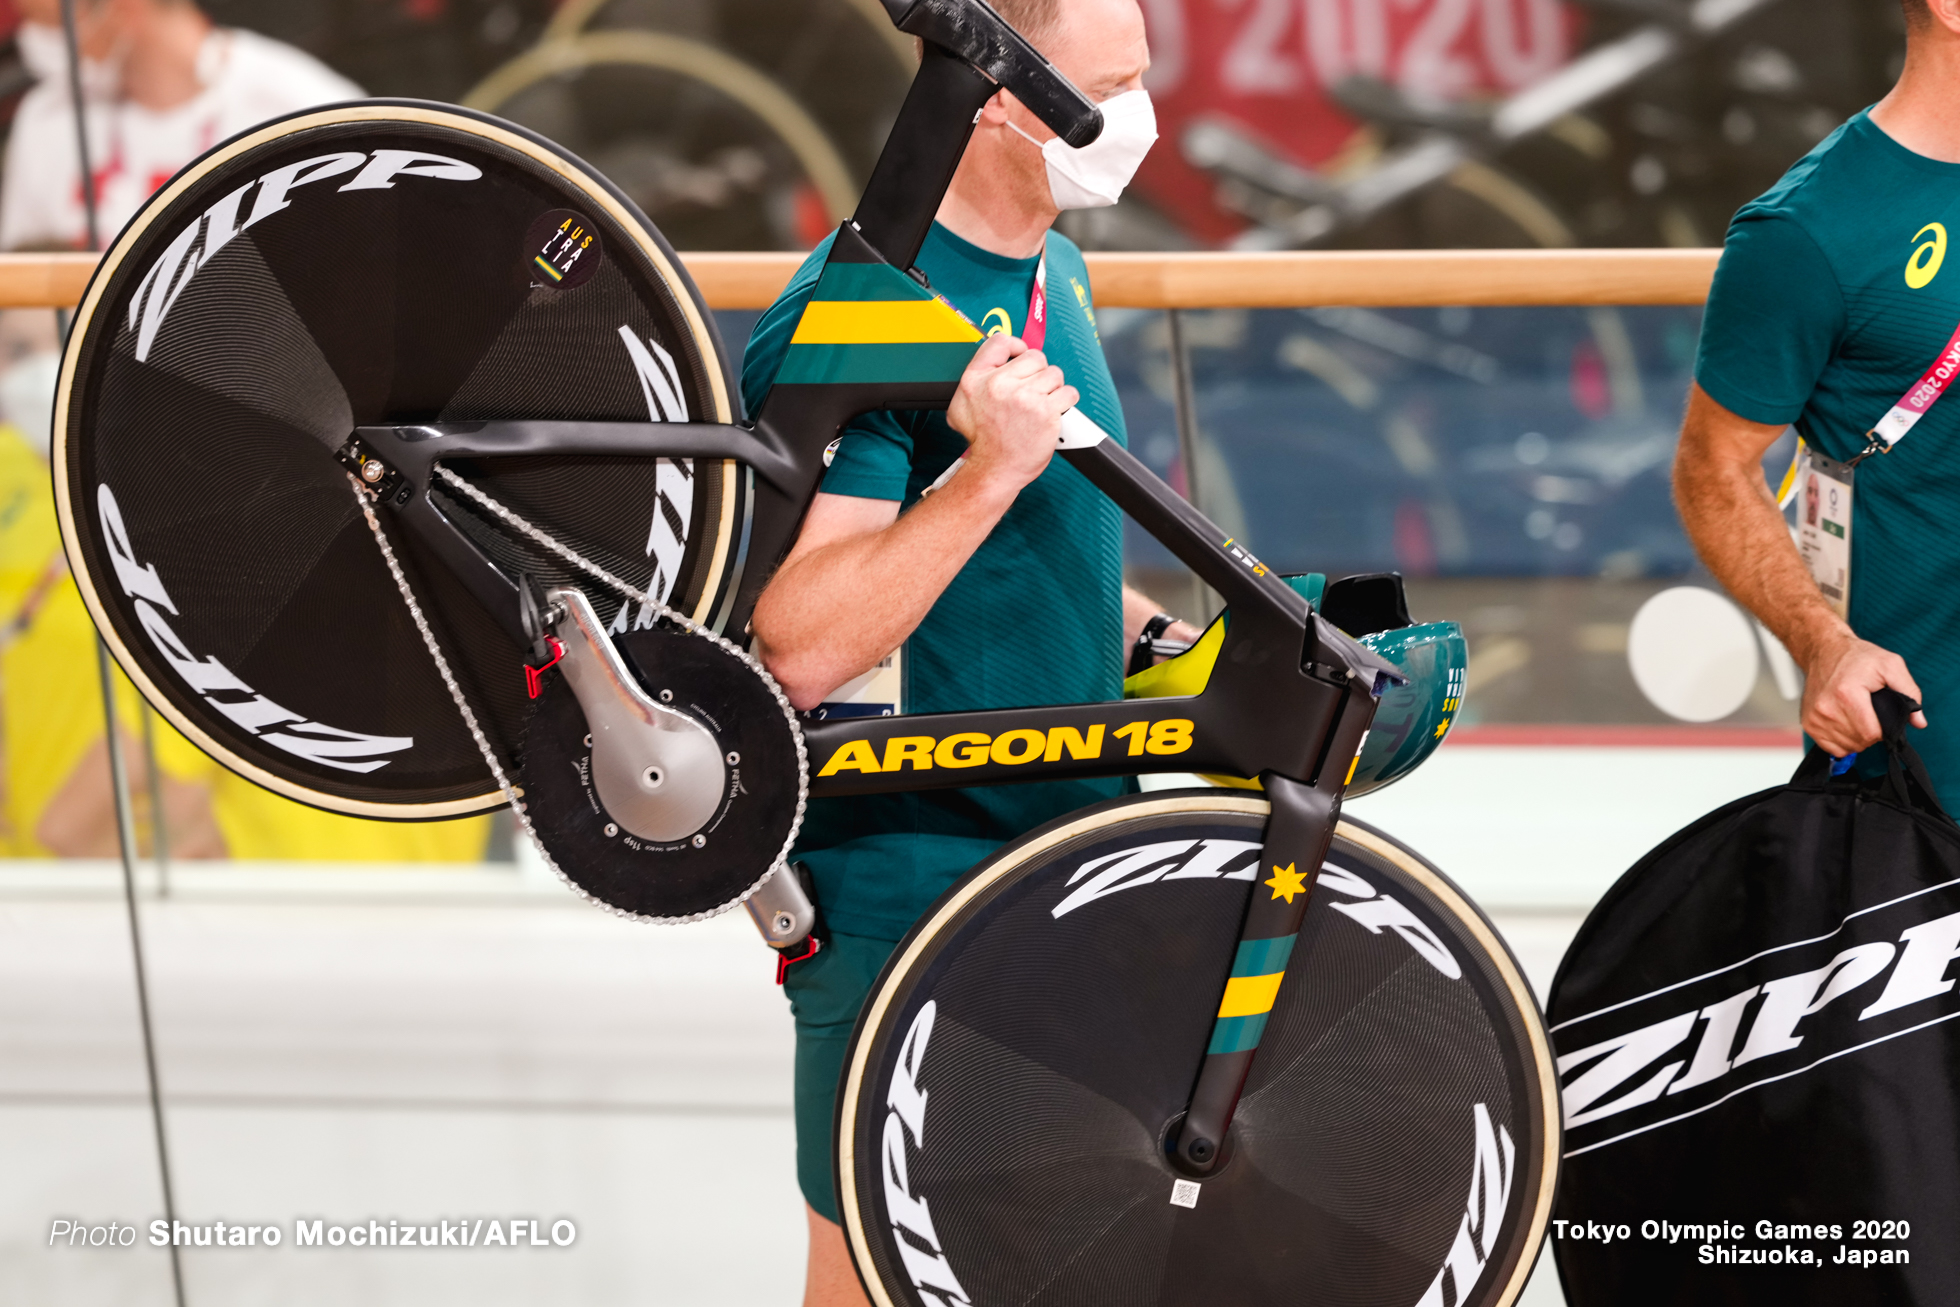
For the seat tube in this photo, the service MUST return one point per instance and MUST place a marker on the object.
(1298, 835)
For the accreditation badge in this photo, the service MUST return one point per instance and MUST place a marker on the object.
(1821, 487)
(880, 692)
(1824, 524)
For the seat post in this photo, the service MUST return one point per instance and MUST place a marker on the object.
(921, 155)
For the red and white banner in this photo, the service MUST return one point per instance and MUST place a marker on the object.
(1266, 65)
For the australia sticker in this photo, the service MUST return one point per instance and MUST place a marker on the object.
(564, 249)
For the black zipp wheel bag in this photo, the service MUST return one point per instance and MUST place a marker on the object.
(1758, 1054)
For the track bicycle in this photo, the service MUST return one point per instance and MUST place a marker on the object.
(401, 467)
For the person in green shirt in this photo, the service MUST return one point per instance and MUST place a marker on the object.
(1004, 584)
(1833, 296)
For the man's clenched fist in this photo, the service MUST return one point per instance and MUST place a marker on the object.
(1837, 693)
(1009, 407)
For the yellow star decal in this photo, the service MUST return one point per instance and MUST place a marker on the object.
(1287, 882)
(1444, 726)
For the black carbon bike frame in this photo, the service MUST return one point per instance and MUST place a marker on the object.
(1290, 698)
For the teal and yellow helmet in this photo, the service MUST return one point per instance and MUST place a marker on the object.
(1411, 719)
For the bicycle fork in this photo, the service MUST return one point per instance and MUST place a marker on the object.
(1298, 835)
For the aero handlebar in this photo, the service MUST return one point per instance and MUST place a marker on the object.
(971, 30)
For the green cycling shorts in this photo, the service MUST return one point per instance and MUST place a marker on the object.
(825, 993)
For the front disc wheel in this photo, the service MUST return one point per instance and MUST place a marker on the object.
(1027, 1052)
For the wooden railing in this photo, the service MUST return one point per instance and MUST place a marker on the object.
(1365, 278)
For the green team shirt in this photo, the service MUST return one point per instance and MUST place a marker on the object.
(1832, 297)
(1035, 616)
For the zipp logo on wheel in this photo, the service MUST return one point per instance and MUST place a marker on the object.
(917, 1241)
(219, 687)
(200, 241)
(1492, 1169)
(1217, 859)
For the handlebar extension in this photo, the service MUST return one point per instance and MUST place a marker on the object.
(971, 30)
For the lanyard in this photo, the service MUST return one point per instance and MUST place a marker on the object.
(1822, 533)
(1892, 428)
(1035, 330)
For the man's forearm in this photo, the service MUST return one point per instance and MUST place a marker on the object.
(832, 613)
(1739, 534)
(1737, 529)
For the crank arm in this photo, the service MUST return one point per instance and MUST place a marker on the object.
(1298, 835)
(658, 772)
(781, 908)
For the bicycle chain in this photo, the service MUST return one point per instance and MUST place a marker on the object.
(364, 496)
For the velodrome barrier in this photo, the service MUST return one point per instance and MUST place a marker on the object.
(1357, 278)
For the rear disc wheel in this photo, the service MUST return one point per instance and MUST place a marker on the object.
(373, 263)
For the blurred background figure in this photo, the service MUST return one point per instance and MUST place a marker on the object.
(161, 84)
(55, 795)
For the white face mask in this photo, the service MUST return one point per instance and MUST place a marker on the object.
(1094, 175)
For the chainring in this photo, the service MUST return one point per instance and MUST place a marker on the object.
(751, 830)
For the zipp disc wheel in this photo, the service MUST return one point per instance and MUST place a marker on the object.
(1024, 1056)
(380, 262)
(750, 832)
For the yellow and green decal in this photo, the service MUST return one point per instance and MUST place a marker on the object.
(869, 322)
(1256, 972)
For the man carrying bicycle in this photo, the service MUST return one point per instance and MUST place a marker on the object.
(1003, 582)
